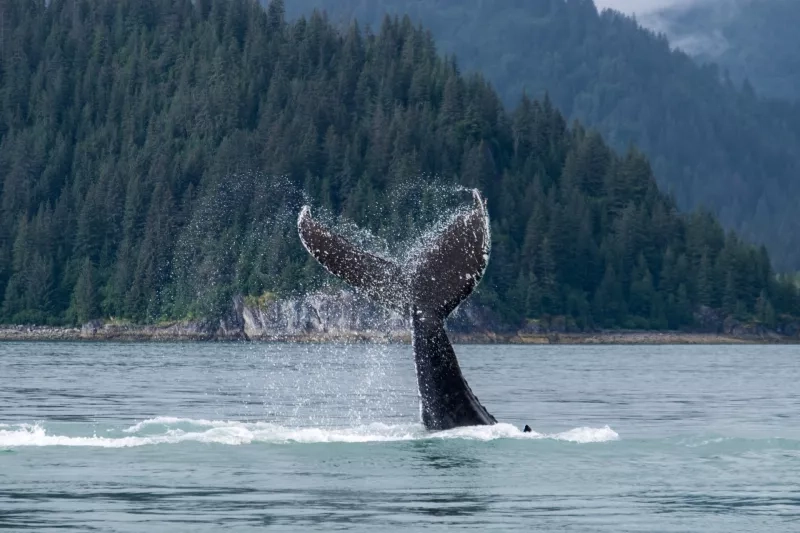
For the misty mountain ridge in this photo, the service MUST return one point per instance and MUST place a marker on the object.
(754, 40)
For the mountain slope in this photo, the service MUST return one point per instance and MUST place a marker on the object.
(711, 144)
(154, 155)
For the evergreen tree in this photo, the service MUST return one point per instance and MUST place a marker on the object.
(84, 297)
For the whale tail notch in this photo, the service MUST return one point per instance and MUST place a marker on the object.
(434, 283)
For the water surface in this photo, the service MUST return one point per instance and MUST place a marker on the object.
(206, 437)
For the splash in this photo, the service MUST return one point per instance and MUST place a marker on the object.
(419, 207)
(236, 235)
(171, 431)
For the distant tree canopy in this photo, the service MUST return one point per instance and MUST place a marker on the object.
(153, 155)
(712, 144)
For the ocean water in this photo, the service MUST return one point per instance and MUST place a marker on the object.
(248, 437)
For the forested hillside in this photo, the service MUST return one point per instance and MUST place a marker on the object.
(711, 143)
(153, 155)
(753, 40)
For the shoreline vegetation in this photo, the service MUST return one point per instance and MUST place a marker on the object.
(196, 332)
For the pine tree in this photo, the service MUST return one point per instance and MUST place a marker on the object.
(729, 297)
(84, 297)
(705, 289)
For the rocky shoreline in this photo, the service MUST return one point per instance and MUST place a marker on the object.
(195, 332)
(345, 318)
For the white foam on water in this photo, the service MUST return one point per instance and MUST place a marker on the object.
(235, 433)
(167, 420)
(587, 434)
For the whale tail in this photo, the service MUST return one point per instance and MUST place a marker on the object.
(429, 286)
(435, 282)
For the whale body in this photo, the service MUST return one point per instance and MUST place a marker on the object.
(428, 287)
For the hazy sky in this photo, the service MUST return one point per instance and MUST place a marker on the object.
(641, 6)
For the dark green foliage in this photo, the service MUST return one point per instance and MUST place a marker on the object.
(712, 144)
(152, 156)
(84, 296)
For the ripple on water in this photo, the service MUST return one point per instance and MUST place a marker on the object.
(236, 437)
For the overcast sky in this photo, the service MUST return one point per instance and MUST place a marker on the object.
(641, 6)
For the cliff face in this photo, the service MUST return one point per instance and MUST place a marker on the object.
(345, 315)
(341, 314)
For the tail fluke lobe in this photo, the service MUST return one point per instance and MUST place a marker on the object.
(450, 267)
(379, 278)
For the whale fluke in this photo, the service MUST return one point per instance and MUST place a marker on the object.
(379, 278)
(429, 286)
(451, 266)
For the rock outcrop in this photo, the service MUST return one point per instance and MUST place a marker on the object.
(333, 315)
(345, 315)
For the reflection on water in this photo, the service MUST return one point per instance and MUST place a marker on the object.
(734, 504)
(442, 456)
(231, 506)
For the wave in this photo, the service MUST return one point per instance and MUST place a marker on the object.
(171, 430)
